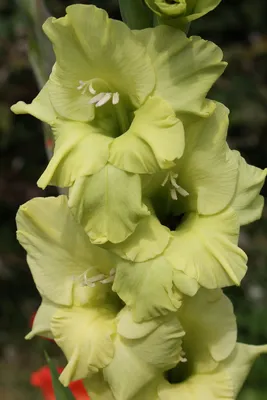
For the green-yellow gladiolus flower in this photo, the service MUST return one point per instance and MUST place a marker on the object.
(183, 11)
(213, 365)
(224, 382)
(204, 203)
(75, 311)
(112, 100)
(214, 192)
(216, 365)
(80, 311)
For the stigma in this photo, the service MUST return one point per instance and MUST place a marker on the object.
(175, 189)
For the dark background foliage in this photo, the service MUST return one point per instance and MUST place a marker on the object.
(239, 27)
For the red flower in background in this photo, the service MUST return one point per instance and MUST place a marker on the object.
(43, 380)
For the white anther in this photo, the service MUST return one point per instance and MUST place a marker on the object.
(91, 89)
(97, 98)
(115, 98)
(104, 100)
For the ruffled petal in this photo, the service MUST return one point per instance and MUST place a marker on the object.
(112, 55)
(85, 336)
(148, 289)
(97, 388)
(205, 248)
(149, 240)
(210, 325)
(58, 249)
(40, 108)
(247, 201)
(154, 140)
(80, 150)
(239, 364)
(185, 69)
(139, 360)
(42, 320)
(108, 204)
(224, 383)
(207, 169)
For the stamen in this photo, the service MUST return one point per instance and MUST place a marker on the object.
(175, 189)
(93, 280)
(97, 98)
(91, 89)
(115, 98)
(104, 100)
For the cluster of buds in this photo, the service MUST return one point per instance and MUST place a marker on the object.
(131, 262)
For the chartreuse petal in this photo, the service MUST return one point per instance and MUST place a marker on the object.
(71, 68)
(108, 204)
(142, 354)
(80, 150)
(85, 336)
(205, 249)
(238, 365)
(97, 388)
(154, 140)
(224, 383)
(112, 54)
(186, 68)
(149, 239)
(67, 99)
(207, 170)
(210, 325)
(151, 288)
(58, 249)
(247, 201)
(40, 108)
(41, 324)
(198, 387)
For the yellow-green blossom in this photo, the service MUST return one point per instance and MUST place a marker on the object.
(112, 101)
(80, 311)
(204, 201)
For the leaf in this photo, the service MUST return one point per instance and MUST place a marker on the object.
(61, 392)
(135, 14)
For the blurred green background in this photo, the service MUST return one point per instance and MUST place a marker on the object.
(239, 27)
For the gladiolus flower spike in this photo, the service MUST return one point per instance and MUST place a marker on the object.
(131, 262)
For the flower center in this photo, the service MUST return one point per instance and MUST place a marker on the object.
(99, 94)
(175, 189)
(99, 99)
(93, 280)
